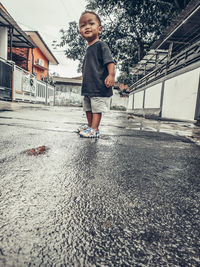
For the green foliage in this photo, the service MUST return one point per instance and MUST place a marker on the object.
(129, 28)
(75, 46)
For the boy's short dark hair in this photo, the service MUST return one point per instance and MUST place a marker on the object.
(91, 12)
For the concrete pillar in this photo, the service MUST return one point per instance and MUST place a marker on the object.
(3, 42)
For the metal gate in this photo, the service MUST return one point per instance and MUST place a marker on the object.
(6, 74)
(24, 88)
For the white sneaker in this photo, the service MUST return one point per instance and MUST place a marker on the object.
(82, 128)
(89, 133)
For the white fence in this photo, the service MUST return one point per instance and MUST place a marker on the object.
(28, 89)
(50, 94)
(173, 98)
(172, 90)
(180, 96)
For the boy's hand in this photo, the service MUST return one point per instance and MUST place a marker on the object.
(109, 81)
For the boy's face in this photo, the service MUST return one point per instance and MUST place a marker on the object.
(90, 28)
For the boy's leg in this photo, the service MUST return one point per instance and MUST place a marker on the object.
(93, 131)
(89, 116)
(96, 118)
(99, 105)
(88, 109)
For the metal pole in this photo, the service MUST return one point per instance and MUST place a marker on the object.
(11, 37)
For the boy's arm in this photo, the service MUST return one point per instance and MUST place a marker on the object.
(110, 79)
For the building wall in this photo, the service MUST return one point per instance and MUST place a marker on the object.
(33, 56)
(152, 96)
(180, 96)
(130, 102)
(68, 95)
(117, 101)
(179, 99)
(138, 100)
(40, 72)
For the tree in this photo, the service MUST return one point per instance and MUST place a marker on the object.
(130, 27)
(75, 46)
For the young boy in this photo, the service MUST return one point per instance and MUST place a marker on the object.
(98, 74)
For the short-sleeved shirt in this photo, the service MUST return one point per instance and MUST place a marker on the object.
(95, 71)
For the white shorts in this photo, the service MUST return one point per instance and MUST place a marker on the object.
(96, 104)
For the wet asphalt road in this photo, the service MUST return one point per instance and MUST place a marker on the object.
(130, 198)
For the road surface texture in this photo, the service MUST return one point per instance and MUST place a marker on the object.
(130, 198)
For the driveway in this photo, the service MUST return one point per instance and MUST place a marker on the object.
(130, 198)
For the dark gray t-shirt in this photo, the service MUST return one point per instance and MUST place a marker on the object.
(95, 70)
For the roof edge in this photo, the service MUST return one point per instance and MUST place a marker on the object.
(27, 32)
(191, 7)
(14, 24)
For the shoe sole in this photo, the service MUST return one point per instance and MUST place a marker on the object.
(89, 136)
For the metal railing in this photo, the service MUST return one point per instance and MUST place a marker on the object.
(183, 59)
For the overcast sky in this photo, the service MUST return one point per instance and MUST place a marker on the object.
(48, 17)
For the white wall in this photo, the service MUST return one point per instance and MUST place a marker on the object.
(152, 96)
(67, 95)
(138, 100)
(180, 95)
(130, 102)
(3, 42)
(119, 101)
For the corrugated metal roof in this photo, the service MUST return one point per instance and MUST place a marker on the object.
(19, 37)
(184, 30)
(67, 80)
(152, 59)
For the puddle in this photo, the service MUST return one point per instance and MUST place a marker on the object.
(188, 130)
(9, 118)
(3, 110)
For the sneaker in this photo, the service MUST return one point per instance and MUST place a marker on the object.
(82, 128)
(89, 133)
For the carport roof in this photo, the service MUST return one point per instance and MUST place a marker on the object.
(19, 37)
(150, 61)
(183, 31)
(65, 80)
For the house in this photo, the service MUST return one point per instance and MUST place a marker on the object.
(119, 99)
(68, 91)
(167, 82)
(40, 56)
(27, 49)
(11, 36)
(24, 63)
